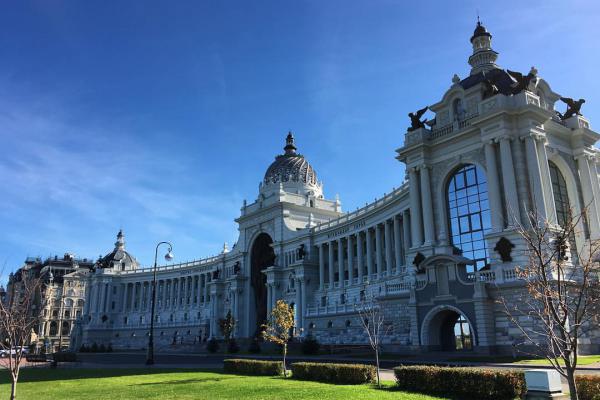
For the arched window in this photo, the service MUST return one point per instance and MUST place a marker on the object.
(561, 201)
(561, 197)
(469, 213)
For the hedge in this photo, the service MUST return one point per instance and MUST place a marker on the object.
(252, 367)
(588, 387)
(345, 374)
(65, 356)
(464, 383)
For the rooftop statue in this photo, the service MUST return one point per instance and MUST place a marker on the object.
(415, 119)
(523, 81)
(573, 107)
(489, 88)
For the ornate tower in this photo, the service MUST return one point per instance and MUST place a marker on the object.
(483, 57)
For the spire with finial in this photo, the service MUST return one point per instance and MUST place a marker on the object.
(290, 147)
(120, 243)
(483, 57)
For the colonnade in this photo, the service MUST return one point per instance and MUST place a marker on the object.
(377, 251)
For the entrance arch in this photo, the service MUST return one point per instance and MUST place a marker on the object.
(446, 328)
(261, 256)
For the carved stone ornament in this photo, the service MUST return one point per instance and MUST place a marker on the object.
(419, 258)
(504, 248)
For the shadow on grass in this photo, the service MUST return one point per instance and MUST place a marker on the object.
(182, 381)
(51, 374)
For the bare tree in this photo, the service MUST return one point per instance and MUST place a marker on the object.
(18, 316)
(563, 292)
(372, 319)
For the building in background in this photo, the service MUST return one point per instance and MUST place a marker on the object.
(61, 299)
(435, 252)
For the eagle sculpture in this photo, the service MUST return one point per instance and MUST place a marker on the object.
(573, 107)
(415, 119)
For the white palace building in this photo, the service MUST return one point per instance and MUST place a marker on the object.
(435, 254)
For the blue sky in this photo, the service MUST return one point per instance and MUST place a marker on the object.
(161, 117)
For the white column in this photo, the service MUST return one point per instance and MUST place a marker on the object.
(378, 249)
(388, 247)
(199, 290)
(331, 266)
(269, 298)
(547, 183)
(510, 184)
(415, 209)
(406, 233)
(303, 303)
(369, 240)
(340, 244)
(298, 304)
(588, 195)
(350, 257)
(535, 178)
(205, 288)
(321, 267)
(359, 256)
(397, 243)
(595, 182)
(427, 206)
(493, 187)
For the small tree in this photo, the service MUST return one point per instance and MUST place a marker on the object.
(563, 300)
(279, 327)
(19, 315)
(372, 320)
(227, 326)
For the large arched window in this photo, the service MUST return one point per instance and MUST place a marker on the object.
(561, 197)
(469, 213)
(561, 201)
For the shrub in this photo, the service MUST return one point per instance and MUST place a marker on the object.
(464, 383)
(109, 348)
(64, 356)
(212, 346)
(102, 348)
(232, 346)
(254, 347)
(310, 345)
(83, 349)
(346, 374)
(253, 367)
(94, 348)
(588, 387)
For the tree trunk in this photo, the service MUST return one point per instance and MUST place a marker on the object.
(13, 389)
(284, 354)
(572, 385)
(377, 366)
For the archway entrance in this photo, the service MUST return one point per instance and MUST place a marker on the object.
(261, 257)
(449, 330)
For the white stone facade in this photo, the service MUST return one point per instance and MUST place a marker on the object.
(427, 257)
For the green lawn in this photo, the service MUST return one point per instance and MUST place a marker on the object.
(116, 384)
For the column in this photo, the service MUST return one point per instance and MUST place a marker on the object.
(595, 183)
(350, 256)
(535, 178)
(493, 187)
(340, 244)
(378, 252)
(124, 302)
(586, 177)
(388, 248)
(547, 187)
(415, 208)
(269, 298)
(205, 288)
(427, 206)
(397, 243)
(359, 256)
(509, 182)
(321, 267)
(369, 254)
(406, 222)
(303, 303)
(298, 304)
(199, 290)
(331, 266)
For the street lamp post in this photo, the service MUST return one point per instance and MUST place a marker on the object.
(168, 257)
